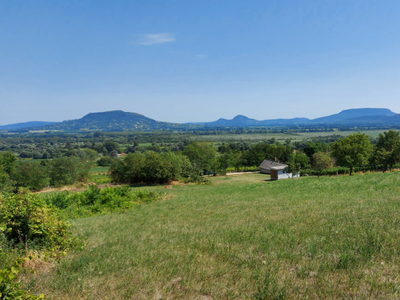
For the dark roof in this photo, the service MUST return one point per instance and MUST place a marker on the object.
(269, 163)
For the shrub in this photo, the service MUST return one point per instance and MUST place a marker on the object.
(27, 218)
(94, 201)
(31, 175)
(6, 185)
(104, 161)
(150, 167)
(331, 172)
(68, 170)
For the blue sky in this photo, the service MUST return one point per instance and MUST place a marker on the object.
(183, 61)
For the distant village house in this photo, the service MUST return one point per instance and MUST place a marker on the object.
(276, 169)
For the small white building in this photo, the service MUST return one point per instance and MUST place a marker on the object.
(276, 169)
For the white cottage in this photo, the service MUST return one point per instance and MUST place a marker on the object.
(276, 169)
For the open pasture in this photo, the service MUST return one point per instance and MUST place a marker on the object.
(294, 136)
(242, 237)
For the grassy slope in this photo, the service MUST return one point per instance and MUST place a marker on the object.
(243, 237)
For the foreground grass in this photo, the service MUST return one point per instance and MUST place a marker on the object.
(244, 238)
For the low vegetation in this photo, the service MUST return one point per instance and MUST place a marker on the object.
(34, 223)
(27, 223)
(95, 201)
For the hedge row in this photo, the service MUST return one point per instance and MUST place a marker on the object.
(343, 170)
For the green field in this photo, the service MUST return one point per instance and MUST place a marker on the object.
(297, 136)
(99, 169)
(99, 175)
(242, 237)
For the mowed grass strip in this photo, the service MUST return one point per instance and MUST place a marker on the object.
(242, 238)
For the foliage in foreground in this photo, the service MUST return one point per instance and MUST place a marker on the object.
(28, 219)
(27, 222)
(94, 201)
(10, 288)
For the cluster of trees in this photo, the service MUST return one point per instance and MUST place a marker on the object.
(34, 176)
(150, 167)
(356, 150)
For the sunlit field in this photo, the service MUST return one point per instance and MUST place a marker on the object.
(242, 237)
(298, 136)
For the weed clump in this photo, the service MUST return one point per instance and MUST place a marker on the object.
(95, 201)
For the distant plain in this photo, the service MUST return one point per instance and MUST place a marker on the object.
(294, 136)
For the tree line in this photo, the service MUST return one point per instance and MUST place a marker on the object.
(195, 159)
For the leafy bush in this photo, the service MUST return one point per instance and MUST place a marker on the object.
(31, 175)
(94, 200)
(68, 170)
(150, 167)
(331, 172)
(196, 178)
(104, 161)
(7, 166)
(27, 218)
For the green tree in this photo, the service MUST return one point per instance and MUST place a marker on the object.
(322, 161)
(7, 167)
(297, 161)
(110, 146)
(31, 175)
(104, 161)
(224, 162)
(387, 152)
(90, 154)
(201, 154)
(237, 160)
(68, 170)
(149, 167)
(352, 151)
(7, 162)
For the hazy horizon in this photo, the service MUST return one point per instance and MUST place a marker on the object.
(228, 118)
(184, 62)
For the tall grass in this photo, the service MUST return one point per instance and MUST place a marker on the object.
(243, 238)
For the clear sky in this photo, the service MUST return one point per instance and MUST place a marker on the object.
(183, 61)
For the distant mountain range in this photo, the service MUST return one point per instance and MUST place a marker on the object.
(122, 121)
(26, 125)
(350, 116)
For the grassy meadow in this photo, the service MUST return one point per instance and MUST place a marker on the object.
(242, 237)
(99, 175)
(294, 136)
